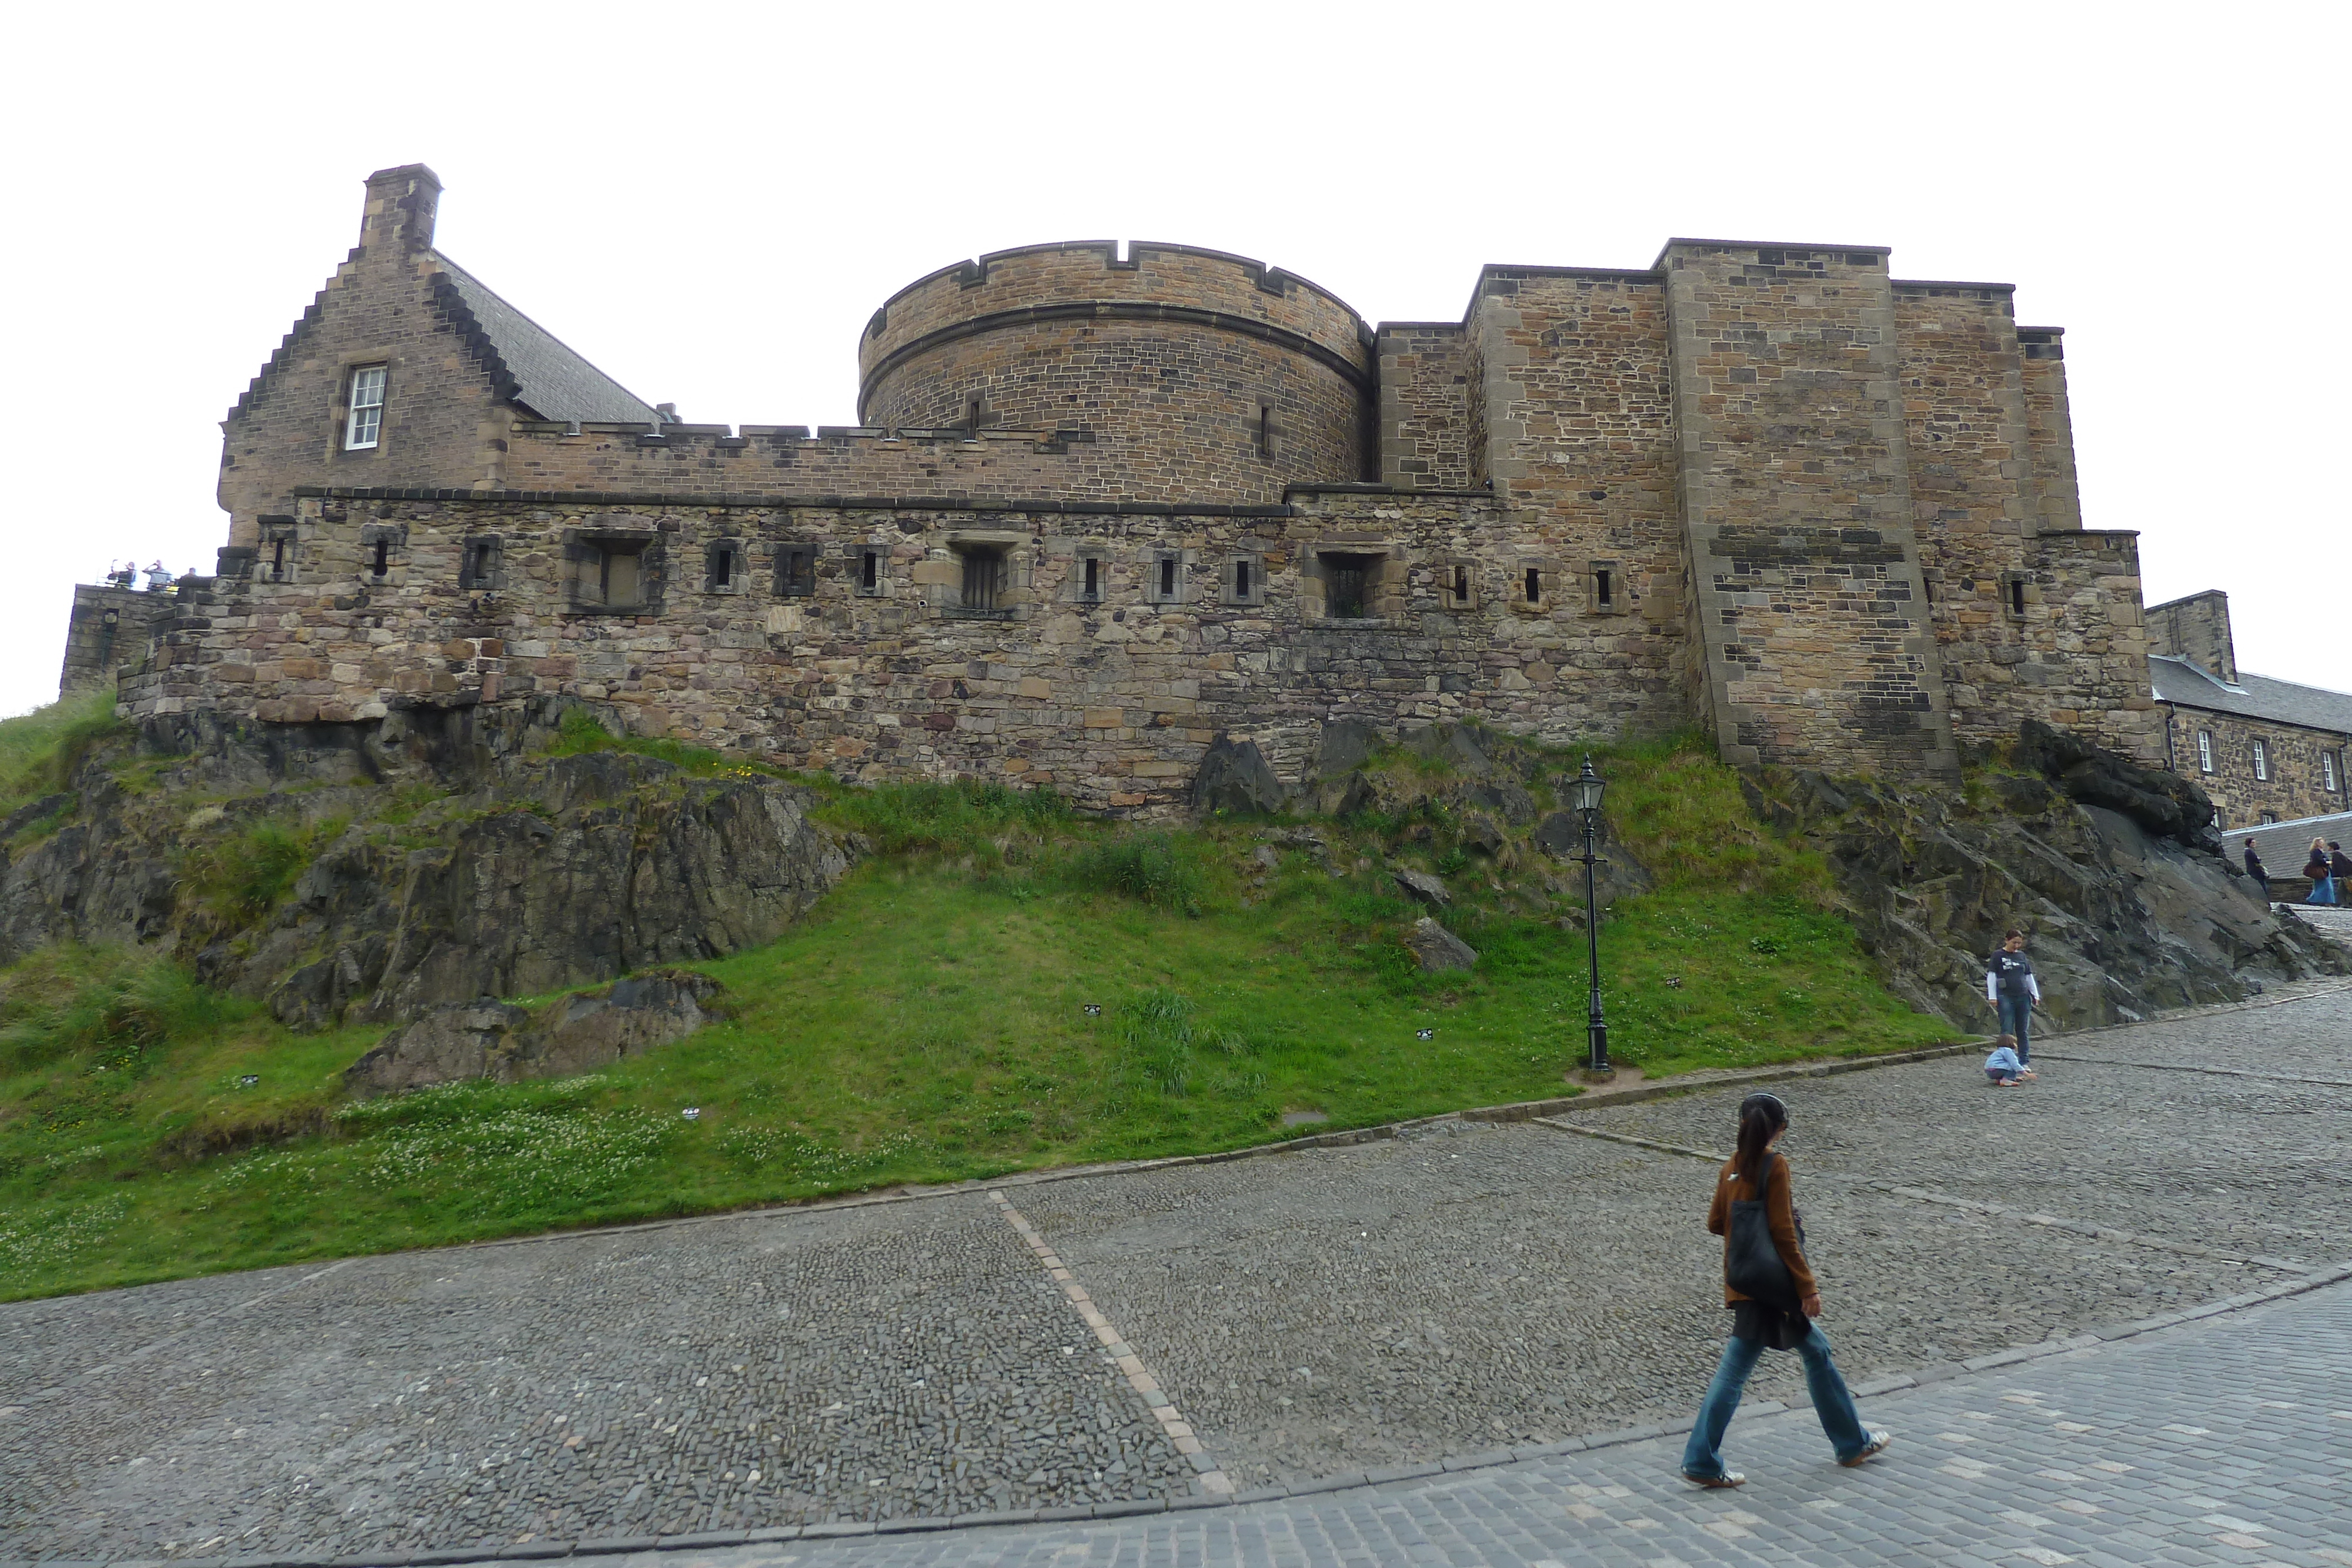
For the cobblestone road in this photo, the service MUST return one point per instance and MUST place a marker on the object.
(1263, 1322)
(2228, 1441)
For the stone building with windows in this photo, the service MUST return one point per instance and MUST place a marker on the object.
(1105, 503)
(2267, 751)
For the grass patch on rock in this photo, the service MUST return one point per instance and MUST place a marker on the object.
(1004, 985)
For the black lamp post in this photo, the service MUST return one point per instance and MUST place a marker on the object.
(1584, 795)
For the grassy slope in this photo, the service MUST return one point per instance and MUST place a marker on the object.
(927, 1022)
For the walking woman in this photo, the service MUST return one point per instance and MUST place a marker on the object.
(1756, 1214)
(2323, 881)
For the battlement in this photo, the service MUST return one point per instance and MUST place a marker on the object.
(1173, 282)
(1209, 375)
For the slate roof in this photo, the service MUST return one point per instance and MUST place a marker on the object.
(541, 372)
(2178, 680)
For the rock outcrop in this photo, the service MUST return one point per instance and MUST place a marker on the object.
(2120, 920)
(439, 870)
(487, 1038)
(1437, 949)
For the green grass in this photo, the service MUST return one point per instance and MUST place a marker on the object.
(927, 1022)
(40, 751)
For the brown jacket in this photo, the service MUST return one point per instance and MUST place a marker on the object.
(1779, 1212)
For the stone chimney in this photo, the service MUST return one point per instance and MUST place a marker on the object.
(2195, 629)
(400, 208)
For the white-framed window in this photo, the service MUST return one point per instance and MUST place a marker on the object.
(2205, 751)
(2261, 763)
(365, 421)
(2328, 777)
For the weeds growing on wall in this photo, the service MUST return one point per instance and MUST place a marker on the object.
(579, 732)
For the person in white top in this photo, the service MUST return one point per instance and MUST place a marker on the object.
(2010, 987)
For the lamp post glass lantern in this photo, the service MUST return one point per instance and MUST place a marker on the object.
(1585, 796)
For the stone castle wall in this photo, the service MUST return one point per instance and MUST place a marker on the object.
(1830, 516)
(1796, 494)
(1215, 377)
(109, 627)
(1424, 419)
(1112, 700)
(1580, 441)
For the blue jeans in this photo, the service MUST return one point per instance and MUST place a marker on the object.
(2016, 1016)
(1703, 1455)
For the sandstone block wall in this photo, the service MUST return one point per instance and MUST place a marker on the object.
(109, 627)
(1215, 378)
(2051, 423)
(2298, 783)
(1112, 699)
(1797, 508)
(1579, 426)
(443, 423)
(2197, 628)
(1424, 421)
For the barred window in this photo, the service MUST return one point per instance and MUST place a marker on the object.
(365, 421)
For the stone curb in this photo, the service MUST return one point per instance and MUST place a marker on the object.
(1346, 1481)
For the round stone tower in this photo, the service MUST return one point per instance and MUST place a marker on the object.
(1197, 376)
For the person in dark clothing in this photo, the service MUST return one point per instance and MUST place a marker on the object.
(2254, 869)
(2339, 866)
(2010, 987)
(1756, 1172)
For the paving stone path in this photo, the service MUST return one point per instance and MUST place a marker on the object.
(2227, 1441)
(1130, 1340)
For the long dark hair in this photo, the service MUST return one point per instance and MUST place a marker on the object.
(1760, 1116)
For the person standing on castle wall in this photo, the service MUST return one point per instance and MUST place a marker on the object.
(2010, 987)
(2254, 869)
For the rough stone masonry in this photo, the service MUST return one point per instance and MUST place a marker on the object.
(1110, 502)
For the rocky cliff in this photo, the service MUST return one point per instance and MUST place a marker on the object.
(426, 867)
(2113, 870)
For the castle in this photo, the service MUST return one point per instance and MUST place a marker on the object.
(1108, 503)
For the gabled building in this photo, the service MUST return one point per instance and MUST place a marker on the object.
(2267, 751)
(405, 373)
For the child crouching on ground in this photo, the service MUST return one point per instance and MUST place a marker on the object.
(2002, 1067)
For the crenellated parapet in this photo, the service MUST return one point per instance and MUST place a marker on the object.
(1211, 375)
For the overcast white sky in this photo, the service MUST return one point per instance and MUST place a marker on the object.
(708, 200)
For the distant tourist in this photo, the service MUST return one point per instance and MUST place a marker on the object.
(2254, 869)
(2003, 1067)
(2010, 987)
(2322, 874)
(159, 578)
(1774, 1303)
(2339, 872)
